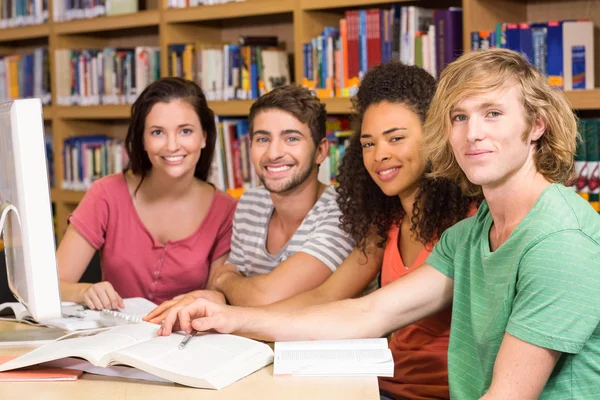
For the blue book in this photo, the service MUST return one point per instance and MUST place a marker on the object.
(526, 43)
(539, 32)
(554, 46)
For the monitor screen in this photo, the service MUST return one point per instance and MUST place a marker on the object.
(26, 210)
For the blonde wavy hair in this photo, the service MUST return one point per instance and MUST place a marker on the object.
(484, 71)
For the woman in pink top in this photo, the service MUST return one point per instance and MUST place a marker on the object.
(160, 227)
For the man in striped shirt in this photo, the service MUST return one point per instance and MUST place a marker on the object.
(523, 274)
(286, 235)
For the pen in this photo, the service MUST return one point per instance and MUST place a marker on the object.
(186, 339)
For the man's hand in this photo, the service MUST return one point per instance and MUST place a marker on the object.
(203, 315)
(100, 296)
(157, 315)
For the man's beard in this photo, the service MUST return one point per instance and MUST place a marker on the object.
(293, 182)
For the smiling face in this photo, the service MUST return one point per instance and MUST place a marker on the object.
(173, 138)
(283, 152)
(391, 137)
(490, 137)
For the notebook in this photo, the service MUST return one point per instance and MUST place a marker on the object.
(37, 374)
(210, 361)
(353, 357)
(77, 317)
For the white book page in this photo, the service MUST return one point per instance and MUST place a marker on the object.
(378, 343)
(204, 357)
(334, 358)
(137, 306)
(93, 346)
(120, 371)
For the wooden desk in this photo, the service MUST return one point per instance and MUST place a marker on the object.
(260, 385)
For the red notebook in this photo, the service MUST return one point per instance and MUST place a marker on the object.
(37, 374)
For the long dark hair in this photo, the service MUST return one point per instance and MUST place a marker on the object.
(165, 90)
(439, 203)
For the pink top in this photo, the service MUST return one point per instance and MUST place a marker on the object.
(133, 261)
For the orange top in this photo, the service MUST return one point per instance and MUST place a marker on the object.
(419, 350)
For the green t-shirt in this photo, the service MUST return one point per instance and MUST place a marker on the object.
(542, 286)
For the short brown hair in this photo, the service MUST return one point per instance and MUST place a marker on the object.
(488, 70)
(299, 102)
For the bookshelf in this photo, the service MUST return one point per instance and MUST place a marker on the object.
(293, 21)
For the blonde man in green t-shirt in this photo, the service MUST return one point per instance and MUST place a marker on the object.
(523, 273)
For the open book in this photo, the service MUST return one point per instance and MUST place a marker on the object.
(355, 357)
(76, 317)
(210, 361)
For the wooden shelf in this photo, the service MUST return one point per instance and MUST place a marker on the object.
(93, 112)
(338, 105)
(247, 8)
(70, 196)
(48, 112)
(579, 100)
(232, 108)
(24, 32)
(125, 21)
(584, 99)
(326, 4)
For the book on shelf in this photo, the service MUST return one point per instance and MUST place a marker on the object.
(211, 361)
(337, 59)
(194, 3)
(65, 10)
(105, 76)
(350, 357)
(23, 13)
(91, 157)
(561, 50)
(587, 162)
(232, 71)
(25, 75)
(77, 317)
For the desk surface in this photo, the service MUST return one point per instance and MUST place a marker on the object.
(260, 385)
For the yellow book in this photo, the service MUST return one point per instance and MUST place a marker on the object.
(14, 76)
(188, 62)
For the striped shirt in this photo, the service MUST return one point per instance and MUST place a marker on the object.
(542, 286)
(319, 234)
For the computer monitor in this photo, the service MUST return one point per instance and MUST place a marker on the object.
(25, 209)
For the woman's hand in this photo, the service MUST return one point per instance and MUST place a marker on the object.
(100, 296)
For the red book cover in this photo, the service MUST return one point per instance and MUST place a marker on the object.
(353, 47)
(373, 38)
(236, 157)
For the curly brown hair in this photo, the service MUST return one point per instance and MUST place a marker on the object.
(439, 203)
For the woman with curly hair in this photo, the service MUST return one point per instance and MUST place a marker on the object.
(395, 213)
(387, 198)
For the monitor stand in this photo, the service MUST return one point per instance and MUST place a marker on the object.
(5, 208)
